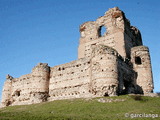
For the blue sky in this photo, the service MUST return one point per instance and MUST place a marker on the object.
(33, 31)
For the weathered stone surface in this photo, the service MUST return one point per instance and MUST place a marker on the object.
(109, 100)
(111, 63)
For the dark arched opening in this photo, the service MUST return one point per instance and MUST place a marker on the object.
(18, 93)
(106, 94)
(138, 60)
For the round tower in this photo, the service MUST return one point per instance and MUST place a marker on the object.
(104, 71)
(140, 58)
(6, 93)
(40, 75)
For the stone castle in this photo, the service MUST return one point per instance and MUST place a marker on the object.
(110, 62)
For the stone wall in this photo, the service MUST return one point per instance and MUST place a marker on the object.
(6, 93)
(110, 63)
(126, 77)
(87, 77)
(104, 80)
(21, 88)
(142, 66)
(70, 80)
(27, 89)
(119, 34)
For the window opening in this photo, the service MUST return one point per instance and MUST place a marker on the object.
(102, 31)
(17, 93)
(138, 60)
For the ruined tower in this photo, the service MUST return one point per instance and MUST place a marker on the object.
(118, 34)
(104, 71)
(142, 66)
(111, 61)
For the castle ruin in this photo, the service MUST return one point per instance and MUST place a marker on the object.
(113, 62)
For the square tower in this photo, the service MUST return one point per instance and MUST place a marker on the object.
(113, 30)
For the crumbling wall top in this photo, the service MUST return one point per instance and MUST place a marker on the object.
(114, 11)
(140, 48)
(103, 49)
(41, 66)
(9, 77)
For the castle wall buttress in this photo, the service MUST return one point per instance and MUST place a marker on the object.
(142, 65)
(40, 82)
(104, 71)
(28, 89)
(40, 78)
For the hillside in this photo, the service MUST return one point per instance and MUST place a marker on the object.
(105, 108)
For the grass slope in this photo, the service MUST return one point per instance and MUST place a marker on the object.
(83, 109)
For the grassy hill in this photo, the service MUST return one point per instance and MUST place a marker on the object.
(105, 108)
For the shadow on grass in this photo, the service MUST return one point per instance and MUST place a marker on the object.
(139, 98)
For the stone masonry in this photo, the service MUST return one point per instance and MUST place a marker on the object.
(111, 61)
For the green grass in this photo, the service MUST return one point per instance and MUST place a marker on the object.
(83, 109)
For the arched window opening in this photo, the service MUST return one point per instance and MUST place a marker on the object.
(17, 93)
(138, 60)
(102, 31)
(59, 69)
